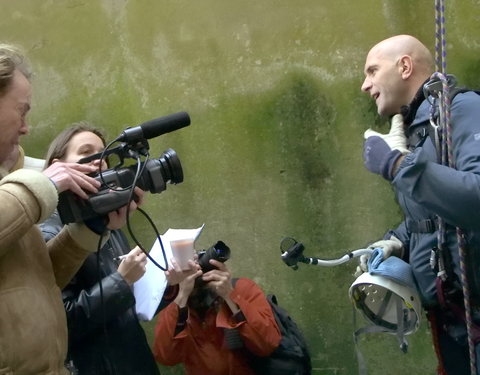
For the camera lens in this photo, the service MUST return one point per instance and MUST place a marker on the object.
(219, 251)
(158, 172)
(172, 167)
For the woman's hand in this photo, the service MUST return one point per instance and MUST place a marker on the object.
(118, 218)
(133, 266)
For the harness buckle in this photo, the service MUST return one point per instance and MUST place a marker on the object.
(433, 258)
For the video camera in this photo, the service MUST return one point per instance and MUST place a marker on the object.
(117, 182)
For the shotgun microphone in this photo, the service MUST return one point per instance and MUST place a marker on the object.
(155, 127)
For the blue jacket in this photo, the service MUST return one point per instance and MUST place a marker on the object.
(425, 188)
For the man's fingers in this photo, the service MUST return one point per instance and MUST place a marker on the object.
(370, 133)
(85, 182)
(83, 168)
(358, 271)
(397, 121)
(397, 126)
(71, 176)
(363, 262)
(221, 266)
(68, 182)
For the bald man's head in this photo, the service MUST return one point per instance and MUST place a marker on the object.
(399, 45)
(395, 69)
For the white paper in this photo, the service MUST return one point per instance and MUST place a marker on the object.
(149, 289)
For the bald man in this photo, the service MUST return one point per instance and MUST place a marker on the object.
(395, 72)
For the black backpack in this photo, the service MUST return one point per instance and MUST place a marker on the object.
(292, 356)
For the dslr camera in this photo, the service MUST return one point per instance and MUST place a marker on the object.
(116, 183)
(219, 251)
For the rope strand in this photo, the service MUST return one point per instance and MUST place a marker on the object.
(445, 134)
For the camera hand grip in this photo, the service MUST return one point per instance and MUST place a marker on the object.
(109, 201)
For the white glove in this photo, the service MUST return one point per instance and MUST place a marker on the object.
(395, 138)
(362, 265)
(391, 247)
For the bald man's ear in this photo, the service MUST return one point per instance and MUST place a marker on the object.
(405, 66)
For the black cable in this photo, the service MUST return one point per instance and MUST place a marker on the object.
(137, 174)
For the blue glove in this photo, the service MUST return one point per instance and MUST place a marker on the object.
(381, 151)
(379, 158)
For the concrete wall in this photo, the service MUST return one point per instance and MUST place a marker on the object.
(275, 144)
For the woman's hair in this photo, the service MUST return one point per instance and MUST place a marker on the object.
(58, 147)
(11, 59)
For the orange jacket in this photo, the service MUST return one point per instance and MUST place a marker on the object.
(200, 345)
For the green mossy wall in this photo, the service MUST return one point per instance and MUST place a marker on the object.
(274, 149)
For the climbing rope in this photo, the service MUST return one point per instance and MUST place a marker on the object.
(440, 40)
(444, 128)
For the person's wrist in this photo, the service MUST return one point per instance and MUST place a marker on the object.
(232, 305)
(396, 166)
(389, 163)
(181, 300)
(54, 184)
(181, 319)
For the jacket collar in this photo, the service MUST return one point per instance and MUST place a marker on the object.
(410, 111)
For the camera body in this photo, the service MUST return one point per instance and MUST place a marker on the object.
(117, 183)
(219, 251)
(155, 174)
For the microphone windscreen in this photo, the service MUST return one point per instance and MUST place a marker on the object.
(166, 124)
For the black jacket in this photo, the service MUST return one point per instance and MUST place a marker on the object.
(105, 336)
